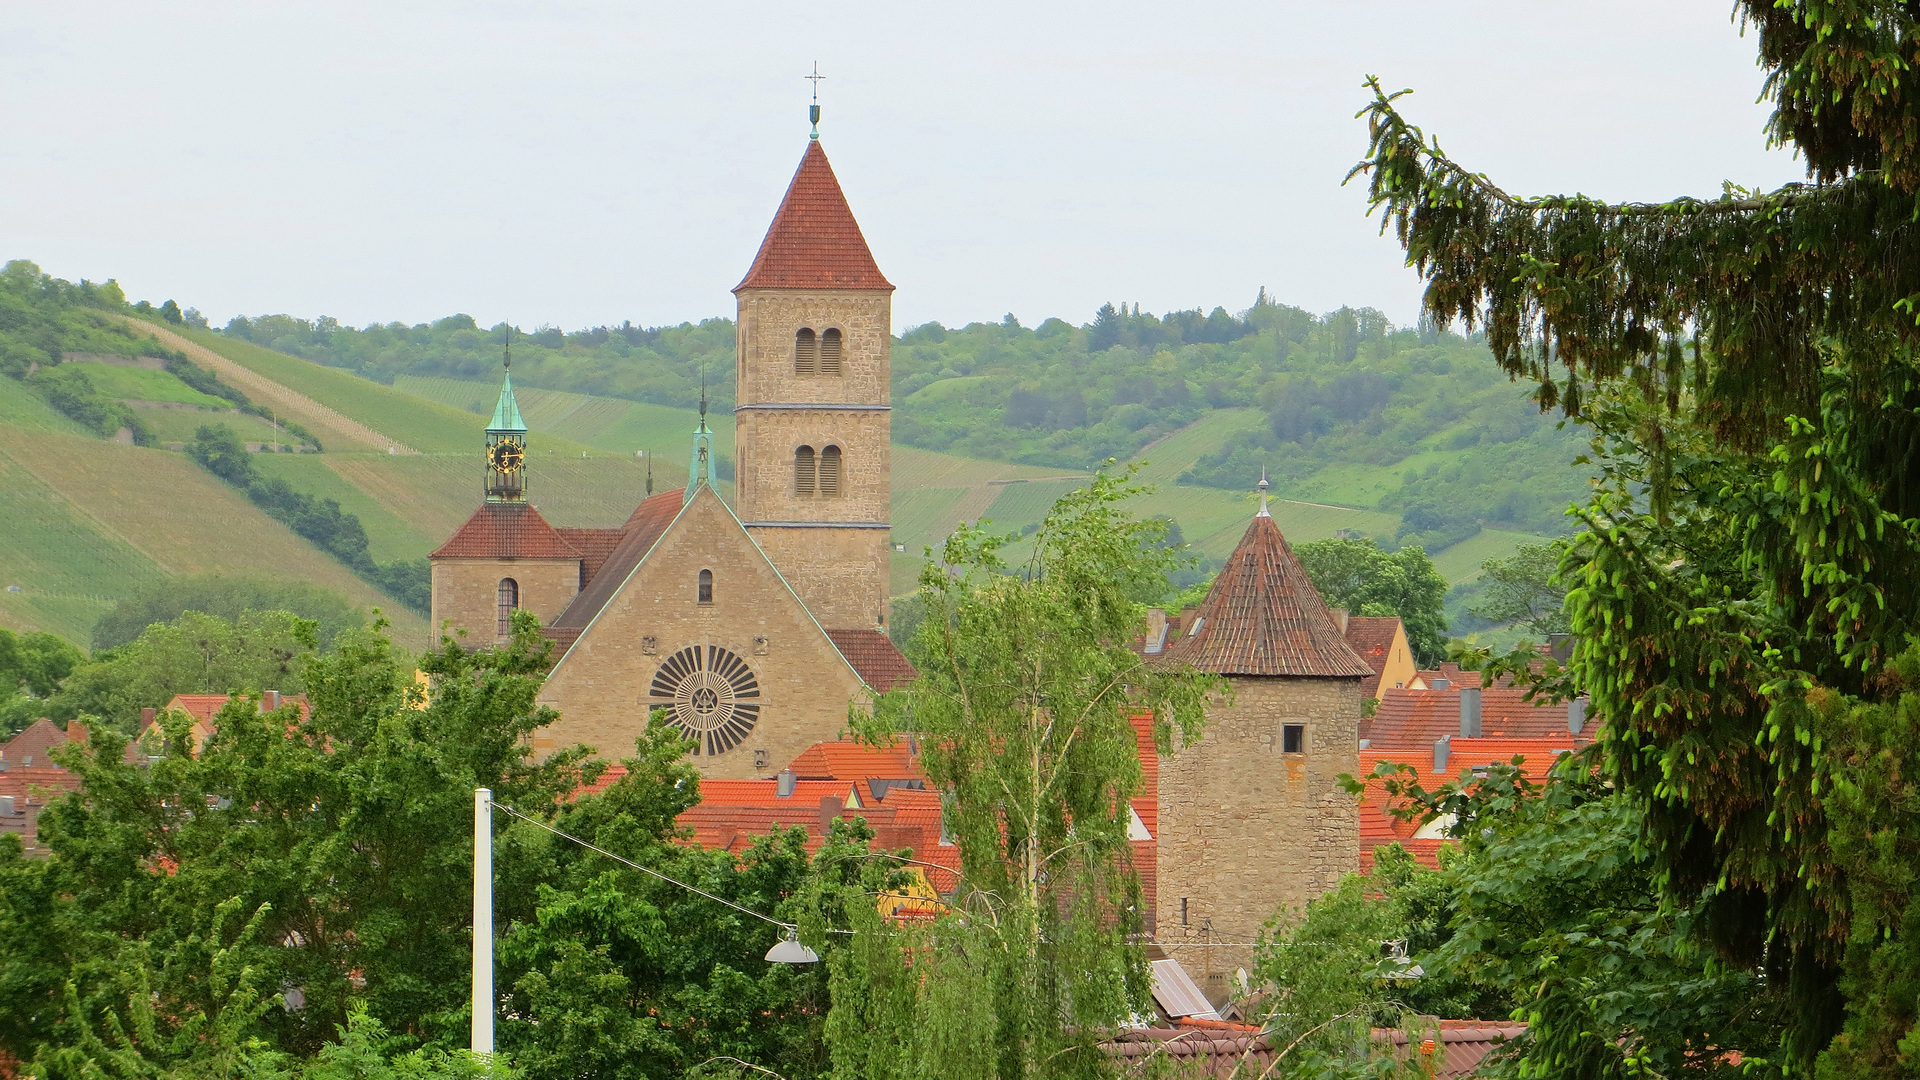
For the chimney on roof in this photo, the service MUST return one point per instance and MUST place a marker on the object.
(1339, 618)
(830, 807)
(1156, 630)
(1442, 747)
(1439, 684)
(1577, 715)
(269, 700)
(787, 780)
(1469, 712)
(146, 717)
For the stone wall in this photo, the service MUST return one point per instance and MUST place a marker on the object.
(602, 687)
(1246, 829)
(765, 441)
(768, 319)
(466, 592)
(841, 574)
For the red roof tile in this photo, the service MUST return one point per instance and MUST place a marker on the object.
(31, 745)
(506, 531)
(1263, 617)
(594, 545)
(873, 655)
(1372, 638)
(850, 760)
(1413, 719)
(639, 534)
(814, 241)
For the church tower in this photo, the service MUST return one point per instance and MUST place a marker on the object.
(811, 424)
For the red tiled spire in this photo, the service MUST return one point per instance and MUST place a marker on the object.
(814, 242)
(1263, 617)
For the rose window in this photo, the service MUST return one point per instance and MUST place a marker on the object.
(710, 695)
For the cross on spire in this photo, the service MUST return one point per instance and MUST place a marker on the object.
(813, 112)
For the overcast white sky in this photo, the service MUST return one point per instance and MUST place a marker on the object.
(575, 162)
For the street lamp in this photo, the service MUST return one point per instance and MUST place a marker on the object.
(788, 950)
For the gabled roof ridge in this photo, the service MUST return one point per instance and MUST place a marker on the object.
(814, 241)
(514, 530)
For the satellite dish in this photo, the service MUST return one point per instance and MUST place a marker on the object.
(788, 950)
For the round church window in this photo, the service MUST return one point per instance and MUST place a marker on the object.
(710, 694)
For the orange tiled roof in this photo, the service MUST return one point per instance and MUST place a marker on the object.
(639, 534)
(850, 760)
(506, 531)
(1413, 719)
(32, 744)
(1263, 617)
(1378, 827)
(814, 241)
(1372, 638)
(874, 656)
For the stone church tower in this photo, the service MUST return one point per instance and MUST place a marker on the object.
(1253, 818)
(811, 425)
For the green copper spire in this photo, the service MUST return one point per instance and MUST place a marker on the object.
(506, 415)
(700, 465)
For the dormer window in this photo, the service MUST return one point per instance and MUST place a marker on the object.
(830, 352)
(806, 351)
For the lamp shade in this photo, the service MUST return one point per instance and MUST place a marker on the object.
(788, 950)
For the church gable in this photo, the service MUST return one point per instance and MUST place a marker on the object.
(705, 627)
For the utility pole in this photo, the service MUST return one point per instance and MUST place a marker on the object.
(483, 922)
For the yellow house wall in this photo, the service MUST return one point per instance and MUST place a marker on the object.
(1399, 668)
(601, 687)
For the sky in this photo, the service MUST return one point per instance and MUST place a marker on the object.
(577, 162)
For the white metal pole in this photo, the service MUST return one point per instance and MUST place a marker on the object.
(483, 922)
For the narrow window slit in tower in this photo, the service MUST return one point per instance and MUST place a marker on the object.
(830, 352)
(803, 472)
(806, 351)
(830, 472)
(706, 586)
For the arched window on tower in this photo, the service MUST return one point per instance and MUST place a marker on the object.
(706, 586)
(806, 351)
(830, 352)
(509, 598)
(830, 472)
(803, 472)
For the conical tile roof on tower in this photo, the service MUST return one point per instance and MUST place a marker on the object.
(1264, 617)
(814, 241)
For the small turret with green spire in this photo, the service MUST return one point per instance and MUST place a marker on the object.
(700, 464)
(507, 441)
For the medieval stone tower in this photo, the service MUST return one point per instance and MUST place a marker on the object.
(811, 423)
(1253, 818)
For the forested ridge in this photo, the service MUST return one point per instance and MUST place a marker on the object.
(1351, 401)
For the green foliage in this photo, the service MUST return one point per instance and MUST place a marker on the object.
(1023, 709)
(227, 598)
(32, 667)
(327, 854)
(1744, 594)
(1522, 589)
(321, 521)
(1355, 574)
(658, 364)
(193, 653)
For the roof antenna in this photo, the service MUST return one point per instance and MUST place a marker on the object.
(703, 394)
(1262, 487)
(813, 114)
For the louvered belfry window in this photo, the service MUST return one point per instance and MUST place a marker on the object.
(830, 352)
(830, 472)
(806, 351)
(509, 599)
(803, 472)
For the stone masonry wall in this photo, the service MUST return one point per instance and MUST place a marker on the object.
(466, 592)
(764, 485)
(765, 331)
(841, 574)
(601, 686)
(1246, 829)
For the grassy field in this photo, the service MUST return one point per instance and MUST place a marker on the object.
(143, 384)
(437, 492)
(69, 570)
(390, 537)
(609, 425)
(22, 409)
(178, 425)
(424, 426)
(178, 518)
(1460, 563)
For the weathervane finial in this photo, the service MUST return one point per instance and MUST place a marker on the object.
(507, 363)
(813, 113)
(1262, 487)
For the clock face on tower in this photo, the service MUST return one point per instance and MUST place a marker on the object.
(710, 694)
(506, 456)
